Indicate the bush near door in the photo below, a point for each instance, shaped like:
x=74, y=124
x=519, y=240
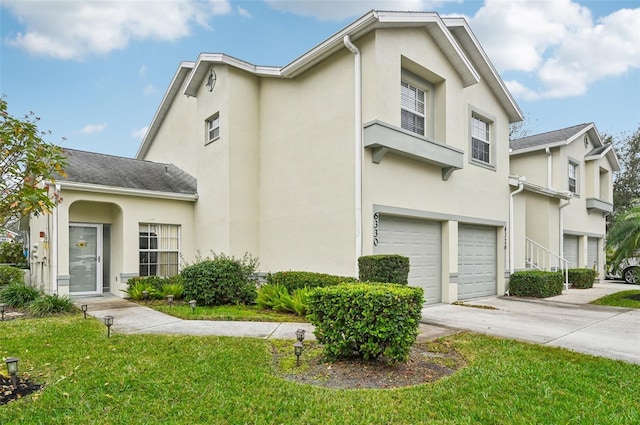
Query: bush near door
x=535, y=283
x=384, y=268
x=582, y=278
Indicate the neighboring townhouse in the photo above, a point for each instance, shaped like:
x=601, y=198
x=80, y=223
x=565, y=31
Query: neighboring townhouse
x=391, y=136
x=566, y=181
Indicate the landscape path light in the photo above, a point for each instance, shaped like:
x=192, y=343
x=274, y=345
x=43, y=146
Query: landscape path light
x=193, y=304
x=12, y=368
x=300, y=335
x=108, y=322
x=145, y=295
x=170, y=300
x=84, y=310
x=297, y=350
x=2, y=308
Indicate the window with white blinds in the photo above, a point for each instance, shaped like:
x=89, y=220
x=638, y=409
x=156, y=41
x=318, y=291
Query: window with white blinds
x=159, y=249
x=480, y=140
x=413, y=111
x=213, y=128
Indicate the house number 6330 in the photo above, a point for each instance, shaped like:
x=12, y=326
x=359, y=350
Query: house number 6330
x=376, y=223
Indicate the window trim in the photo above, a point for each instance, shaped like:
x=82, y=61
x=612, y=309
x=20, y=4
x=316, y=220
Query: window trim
x=146, y=228
x=576, y=164
x=427, y=88
x=490, y=120
x=207, y=128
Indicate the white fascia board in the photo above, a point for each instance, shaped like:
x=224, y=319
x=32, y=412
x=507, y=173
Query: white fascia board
x=206, y=60
x=95, y=188
x=494, y=80
x=595, y=137
x=161, y=112
x=538, y=148
x=541, y=190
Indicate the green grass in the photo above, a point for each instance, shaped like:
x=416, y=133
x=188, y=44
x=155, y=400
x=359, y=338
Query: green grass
x=628, y=299
x=152, y=379
x=251, y=313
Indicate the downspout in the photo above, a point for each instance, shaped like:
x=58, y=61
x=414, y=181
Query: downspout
x=549, y=164
x=561, y=253
x=512, y=248
x=54, y=247
x=358, y=146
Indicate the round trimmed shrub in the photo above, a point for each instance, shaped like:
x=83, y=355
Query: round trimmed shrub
x=220, y=281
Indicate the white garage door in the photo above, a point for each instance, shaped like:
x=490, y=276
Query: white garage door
x=476, y=261
x=570, y=250
x=592, y=253
x=420, y=241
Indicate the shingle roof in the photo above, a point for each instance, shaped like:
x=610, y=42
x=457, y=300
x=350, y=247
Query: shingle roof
x=120, y=172
x=547, y=138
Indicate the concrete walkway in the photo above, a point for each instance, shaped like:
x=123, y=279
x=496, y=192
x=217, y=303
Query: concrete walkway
x=564, y=321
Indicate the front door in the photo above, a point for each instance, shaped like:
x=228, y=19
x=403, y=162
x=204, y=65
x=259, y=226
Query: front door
x=85, y=252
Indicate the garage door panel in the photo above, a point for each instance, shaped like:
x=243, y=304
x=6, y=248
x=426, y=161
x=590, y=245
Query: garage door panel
x=420, y=241
x=570, y=250
x=477, y=264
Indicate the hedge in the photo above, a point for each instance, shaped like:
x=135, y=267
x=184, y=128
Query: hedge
x=10, y=274
x=293, y=280
x=366, y=320
x=582, y=278
x=384, y=268
x=535, y=283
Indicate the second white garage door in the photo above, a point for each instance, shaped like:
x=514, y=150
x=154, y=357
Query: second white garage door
x=570, y=250
x=420, y=241
x=476, y=261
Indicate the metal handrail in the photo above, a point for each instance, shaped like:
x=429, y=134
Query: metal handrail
x=542, y=258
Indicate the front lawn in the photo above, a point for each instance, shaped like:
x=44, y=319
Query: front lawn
x=628, y=299
x=149, y=379
x=249, y=313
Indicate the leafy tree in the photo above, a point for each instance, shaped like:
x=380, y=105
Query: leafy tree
x=624, y=236
x=626, y=186
x=26, y=161
x=520, y=129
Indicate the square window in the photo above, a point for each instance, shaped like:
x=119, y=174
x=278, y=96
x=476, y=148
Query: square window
x=159, y=249
x=213, y=128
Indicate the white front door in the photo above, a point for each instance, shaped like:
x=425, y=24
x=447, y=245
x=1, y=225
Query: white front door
x=85, y=255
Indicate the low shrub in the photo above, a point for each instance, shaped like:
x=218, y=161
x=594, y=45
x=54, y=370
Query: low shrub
x=50, y=304
x=366, y=320
x=384, y=268
x=13, y=253
x=582, y=278
x=136, y=289
x=221, y=280
x=293, y=280
x=18, y=295
x=276, y=297
x=536, y=283
x=175, y=289
x=269, y=295
x=10, y=274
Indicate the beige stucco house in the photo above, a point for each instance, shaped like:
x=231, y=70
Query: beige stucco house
x=391, y=136
x=564, y=180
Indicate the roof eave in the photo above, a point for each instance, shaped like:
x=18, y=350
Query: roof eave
x=95, y=188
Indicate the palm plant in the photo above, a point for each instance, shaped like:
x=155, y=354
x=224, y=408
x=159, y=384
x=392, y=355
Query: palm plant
x=624, y=236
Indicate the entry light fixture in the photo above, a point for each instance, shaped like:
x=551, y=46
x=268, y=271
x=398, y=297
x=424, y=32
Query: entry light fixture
x=12, y=368
x=211, y=80
x=108, y=322
x=84, y=308
x=193, y=304
x=300, y=335
x=297, y=350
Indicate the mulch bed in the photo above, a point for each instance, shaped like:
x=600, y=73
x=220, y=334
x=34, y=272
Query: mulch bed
x=24, y=387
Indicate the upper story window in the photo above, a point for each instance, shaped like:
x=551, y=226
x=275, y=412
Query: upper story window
x=573, y=177
x=480, y=139
x=412, y=105
x=159, y=249
x=213, y=128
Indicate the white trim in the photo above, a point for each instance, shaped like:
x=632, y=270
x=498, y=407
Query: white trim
x=85, y=187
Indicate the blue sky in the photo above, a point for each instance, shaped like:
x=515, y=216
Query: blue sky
x=95, y=72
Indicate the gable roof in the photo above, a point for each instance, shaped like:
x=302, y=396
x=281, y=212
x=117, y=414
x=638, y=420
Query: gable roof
x=107, y=173
x=452, y=35
x=563, y=137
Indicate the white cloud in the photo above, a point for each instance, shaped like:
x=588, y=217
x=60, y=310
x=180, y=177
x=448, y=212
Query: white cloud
x=149, y=89
x=244, y=12
x=140, y=133
x=93, y=128
x=342, y=9
x=142, y=71
x=69, y=29
x=558, y=43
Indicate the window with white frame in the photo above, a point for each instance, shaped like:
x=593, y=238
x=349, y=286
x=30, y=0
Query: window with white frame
x=159, y=249
x=213, y=128
x=413, y=108
x=480, y=139
x=573, y=177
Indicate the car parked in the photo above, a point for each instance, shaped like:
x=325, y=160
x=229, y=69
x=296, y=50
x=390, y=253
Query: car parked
x=628, y=270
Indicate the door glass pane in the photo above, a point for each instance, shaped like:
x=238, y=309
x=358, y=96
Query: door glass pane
x=83, y=251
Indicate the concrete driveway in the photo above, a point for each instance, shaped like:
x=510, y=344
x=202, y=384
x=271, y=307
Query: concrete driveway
x=564, y=321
